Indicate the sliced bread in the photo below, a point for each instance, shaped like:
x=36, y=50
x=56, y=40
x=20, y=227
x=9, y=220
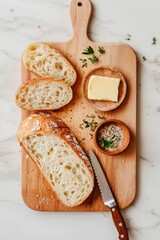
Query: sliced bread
x=43, y=94
x=48, y=62
x=60, y=158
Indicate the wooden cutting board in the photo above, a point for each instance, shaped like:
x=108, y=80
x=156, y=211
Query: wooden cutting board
x=121, y=169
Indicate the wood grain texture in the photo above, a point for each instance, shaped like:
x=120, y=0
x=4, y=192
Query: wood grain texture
x=120, y=169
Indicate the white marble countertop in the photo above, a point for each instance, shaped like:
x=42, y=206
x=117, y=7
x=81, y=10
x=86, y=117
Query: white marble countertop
x=22, y=22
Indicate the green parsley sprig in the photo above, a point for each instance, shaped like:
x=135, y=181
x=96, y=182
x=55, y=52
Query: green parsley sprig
x=101, y=50
x=101, y=117
x=93, y=59
x=144, y=58
x=90, y=51
x=154, y=41
x=84, y=62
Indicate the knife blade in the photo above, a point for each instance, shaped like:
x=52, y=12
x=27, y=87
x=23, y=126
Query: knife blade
x=108, y=198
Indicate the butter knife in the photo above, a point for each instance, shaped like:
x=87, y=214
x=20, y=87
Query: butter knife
x=108, y=198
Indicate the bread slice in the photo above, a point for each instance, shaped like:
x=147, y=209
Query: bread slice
x=48, y=62
x=60, y=158
x=43, y=94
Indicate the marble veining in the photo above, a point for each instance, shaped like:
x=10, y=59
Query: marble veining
x=22, y=22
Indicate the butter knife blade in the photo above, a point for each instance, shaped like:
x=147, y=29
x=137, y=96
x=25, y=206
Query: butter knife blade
x=103, y=184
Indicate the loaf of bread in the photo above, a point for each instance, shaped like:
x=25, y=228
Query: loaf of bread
x=48, y=62
x=43, y=94
x=60, y=158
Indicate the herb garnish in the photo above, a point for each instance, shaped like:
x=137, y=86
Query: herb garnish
x=88, y=51
x=93, y=59
x=101, y=117
x=92, y=125
x=87, y=124
x=154, y=41
x=128, y=38
x=101, y=50
x=84, y=62
x=91, y=135
x=90, y=122
x=104, y=143
x=144, y=58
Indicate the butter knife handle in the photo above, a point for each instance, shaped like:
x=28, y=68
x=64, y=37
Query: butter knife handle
x=119, y=223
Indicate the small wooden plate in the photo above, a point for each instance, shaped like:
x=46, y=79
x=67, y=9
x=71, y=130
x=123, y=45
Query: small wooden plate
x=107, y=72
x=126, y=138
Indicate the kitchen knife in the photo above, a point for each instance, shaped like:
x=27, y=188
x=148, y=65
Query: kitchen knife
x=108, y=198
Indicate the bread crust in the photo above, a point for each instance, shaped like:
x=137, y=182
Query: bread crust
x=40, y=80
x=45, y=123
x=24, y=57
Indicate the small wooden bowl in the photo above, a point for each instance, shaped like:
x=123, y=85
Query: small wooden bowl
x=126, y=136
x=107, y=72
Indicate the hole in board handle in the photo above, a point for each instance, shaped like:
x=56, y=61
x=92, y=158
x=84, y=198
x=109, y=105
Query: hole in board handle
x=79, y=4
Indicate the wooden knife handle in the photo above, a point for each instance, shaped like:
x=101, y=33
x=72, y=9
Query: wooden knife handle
x=119, y=223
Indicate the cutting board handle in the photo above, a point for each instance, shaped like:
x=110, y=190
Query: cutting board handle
x=80, y=15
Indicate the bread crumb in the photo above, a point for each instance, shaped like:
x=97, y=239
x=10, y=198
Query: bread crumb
x=53, y=199
x=69, y=54
x=41, y=201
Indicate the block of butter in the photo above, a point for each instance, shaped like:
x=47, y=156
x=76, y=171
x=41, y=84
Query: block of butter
x=103, y=88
